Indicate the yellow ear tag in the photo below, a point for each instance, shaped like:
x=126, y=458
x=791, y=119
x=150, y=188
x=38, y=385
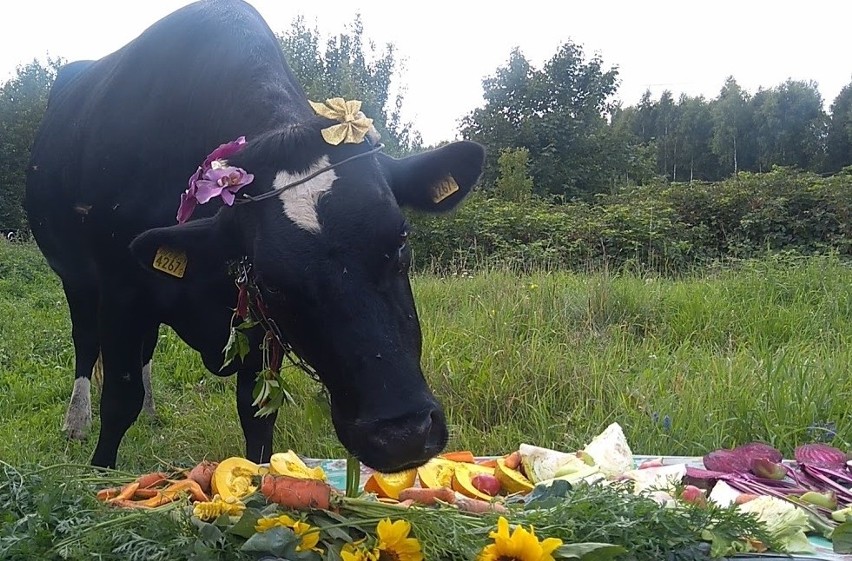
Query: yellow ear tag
x=444, y=189
x=170, y=262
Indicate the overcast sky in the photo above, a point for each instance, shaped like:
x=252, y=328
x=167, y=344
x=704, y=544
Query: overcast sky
x=449, y=46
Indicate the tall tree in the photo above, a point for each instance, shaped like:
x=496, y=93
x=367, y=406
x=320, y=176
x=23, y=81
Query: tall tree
x=350, y=66
x=839, y=134
x=730, y=124
x=790, y=125
x=694, y=131
x=559, y=113
x=23, y=100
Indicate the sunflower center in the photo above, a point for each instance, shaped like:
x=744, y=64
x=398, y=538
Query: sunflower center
x=385, y=555
x=507, y=558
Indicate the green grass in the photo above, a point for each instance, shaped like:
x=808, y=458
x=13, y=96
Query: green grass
x=757, y=351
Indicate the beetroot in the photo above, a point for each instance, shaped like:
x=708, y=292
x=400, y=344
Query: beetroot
x=726, y=461
x=740, y=459
x=822, y=455
x=756, y=450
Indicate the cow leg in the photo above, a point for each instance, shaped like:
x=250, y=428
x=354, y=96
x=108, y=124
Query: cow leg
x=123, y=328
x=257, y=430
x=147, y=361
x=83, y=305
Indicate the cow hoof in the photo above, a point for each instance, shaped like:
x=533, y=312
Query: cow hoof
x=78, y=418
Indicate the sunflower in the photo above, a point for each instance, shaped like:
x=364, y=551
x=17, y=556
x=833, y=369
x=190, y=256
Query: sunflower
x=522, y=545
x=393, y=543
x=309, y=535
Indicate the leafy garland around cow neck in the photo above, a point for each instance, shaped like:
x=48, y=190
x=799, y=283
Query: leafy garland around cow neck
x=215, y=178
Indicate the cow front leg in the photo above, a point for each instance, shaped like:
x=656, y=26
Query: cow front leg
x=257, y=430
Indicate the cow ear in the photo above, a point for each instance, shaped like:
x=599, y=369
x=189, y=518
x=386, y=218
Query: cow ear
x=189, y=250
x=437, y=180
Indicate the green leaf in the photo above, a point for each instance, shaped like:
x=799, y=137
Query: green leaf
x=208, y=533
x=244, y=527
x=278, y=541
x=237, y=345
x=546, y=496
x=589, y=551
x=841, y=538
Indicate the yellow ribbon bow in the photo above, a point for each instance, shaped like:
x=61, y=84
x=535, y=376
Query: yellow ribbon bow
x=354, y=125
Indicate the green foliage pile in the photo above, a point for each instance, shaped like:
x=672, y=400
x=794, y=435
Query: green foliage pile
x=663, y=227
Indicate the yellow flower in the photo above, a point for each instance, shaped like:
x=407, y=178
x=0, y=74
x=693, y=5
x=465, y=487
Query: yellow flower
x=352, y=552
x=521, y=545
x=393, y=543
x=211, y=510
x=309, y=535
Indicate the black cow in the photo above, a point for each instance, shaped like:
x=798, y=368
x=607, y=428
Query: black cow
x=120, y=138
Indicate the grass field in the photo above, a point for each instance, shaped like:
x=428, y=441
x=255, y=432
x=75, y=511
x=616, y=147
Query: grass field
x=762, y=350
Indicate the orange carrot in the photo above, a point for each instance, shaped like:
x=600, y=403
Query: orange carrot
x=459, y=456
x=428, y=496
x=299, y=494
x=513, y=460
x=145, y=493
x=126, y=492
x=108, y=493
x=476, y=506
x=171, y=492
x=492, y=463
x=151, y=479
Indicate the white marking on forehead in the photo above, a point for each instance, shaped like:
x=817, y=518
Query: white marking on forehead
x=300, y=202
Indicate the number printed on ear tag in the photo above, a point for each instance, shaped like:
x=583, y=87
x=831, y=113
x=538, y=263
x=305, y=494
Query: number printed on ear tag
x=444, y=189
x=170, y=262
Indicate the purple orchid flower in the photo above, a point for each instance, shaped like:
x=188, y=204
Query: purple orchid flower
x=214, y=178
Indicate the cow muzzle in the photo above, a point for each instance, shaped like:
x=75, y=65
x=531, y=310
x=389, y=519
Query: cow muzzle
x=396, y=444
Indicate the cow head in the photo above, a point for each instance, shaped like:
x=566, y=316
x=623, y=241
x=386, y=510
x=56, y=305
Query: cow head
x=331, y=258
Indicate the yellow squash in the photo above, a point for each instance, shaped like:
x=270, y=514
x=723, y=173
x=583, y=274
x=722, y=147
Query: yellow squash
x=234, y=478
x=512, y=480
x=437, y=473
x=288, y=463
x=389, y=485
x=463, y=480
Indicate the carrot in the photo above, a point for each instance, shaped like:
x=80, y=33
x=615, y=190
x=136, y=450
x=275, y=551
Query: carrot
x=465, y=456
x=145, y=493
x=203, y=474
x=171, y=492
x=108, y=493
x=513, y=460
x=126, y=492
x=299, y=494
x=492, y=463
x=406, y=503
x=428, y=496
x=151, y=479
x=477, y=506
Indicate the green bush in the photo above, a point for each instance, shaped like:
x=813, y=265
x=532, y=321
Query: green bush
x=663, y=227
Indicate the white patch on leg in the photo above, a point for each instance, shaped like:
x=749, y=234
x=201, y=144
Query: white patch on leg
x=148, y=403
x=79, y=414
x=300, y=202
